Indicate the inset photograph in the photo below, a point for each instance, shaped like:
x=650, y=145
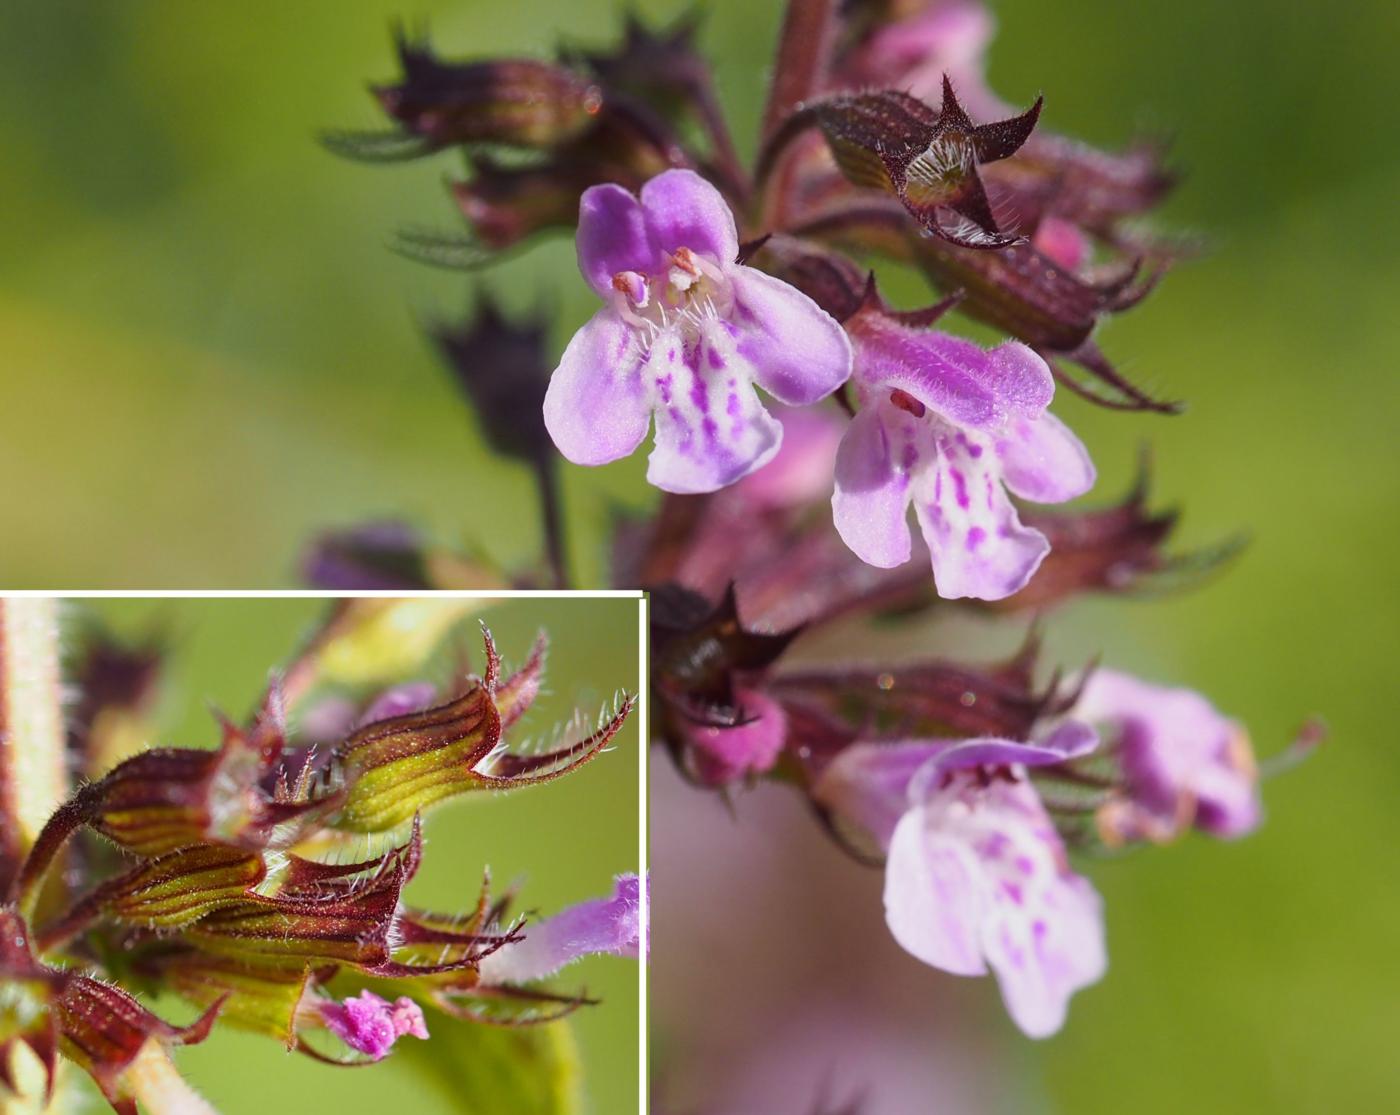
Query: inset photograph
x=249, y=844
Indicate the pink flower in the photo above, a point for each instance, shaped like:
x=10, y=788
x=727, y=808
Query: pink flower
x=371, y=1025
x=611, y=926
x=685, y=334
x=947, y=37
x=1181, y=761
x=975, y=874
x=721, y=755
x=947, y=425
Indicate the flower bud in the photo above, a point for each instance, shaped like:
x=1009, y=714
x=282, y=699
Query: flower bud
x=502, y=368
x=927, y=159
x=515, y=102
x=720, y=754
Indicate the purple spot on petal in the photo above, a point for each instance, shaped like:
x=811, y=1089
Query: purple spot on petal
x=960, y=483
x=975, y=537
x=716, y=360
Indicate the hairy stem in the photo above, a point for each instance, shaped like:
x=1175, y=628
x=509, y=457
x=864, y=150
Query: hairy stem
x=804, y=53
x=158, y=1086
x=33, y=764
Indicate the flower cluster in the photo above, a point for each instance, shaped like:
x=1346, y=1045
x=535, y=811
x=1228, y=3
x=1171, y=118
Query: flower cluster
x=797, y=416
x=1028, y=231
x=236, y=877
x=969, y=783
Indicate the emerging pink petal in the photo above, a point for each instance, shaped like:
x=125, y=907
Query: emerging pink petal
x=400, y=700
x=369, y=1024
x=611, y=926
x=722, y=755
x=1182, y=761
x=1062, y=241
x=947, y=36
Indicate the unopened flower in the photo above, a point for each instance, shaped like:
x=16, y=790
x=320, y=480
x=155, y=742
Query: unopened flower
x=976, y=875
x=685, y=334
x=1181, y=762
x=501, y=366
x=374, y=555
x=518, y=101
x=945, y=424
x=369, y=1024
x=927, y=159
x=609, y=926
x=722, y=753
x=913, y=53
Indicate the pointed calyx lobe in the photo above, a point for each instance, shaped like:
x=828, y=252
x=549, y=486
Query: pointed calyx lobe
x=928, y=160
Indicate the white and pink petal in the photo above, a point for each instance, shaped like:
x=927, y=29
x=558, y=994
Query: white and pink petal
x=978, y=544
x=799, y=353
x=935, y=896
x=598, y=406
x=870, y=505
x=1042, y=460
x=711, y=428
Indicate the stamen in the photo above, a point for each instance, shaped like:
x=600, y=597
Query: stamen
x=634, y=286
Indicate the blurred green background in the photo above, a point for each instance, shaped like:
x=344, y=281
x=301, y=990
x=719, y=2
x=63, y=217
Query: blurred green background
x=209, y=352
x=563, y=842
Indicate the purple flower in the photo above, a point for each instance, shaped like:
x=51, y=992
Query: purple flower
x=611, y=925
x=1181, y=761
x=371, y=1025
x=975, y=874
x=685, y=333
x=944, y=424
x=723, y=754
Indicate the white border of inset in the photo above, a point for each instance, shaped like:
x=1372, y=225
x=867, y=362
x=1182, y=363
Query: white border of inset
x=643, y=681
